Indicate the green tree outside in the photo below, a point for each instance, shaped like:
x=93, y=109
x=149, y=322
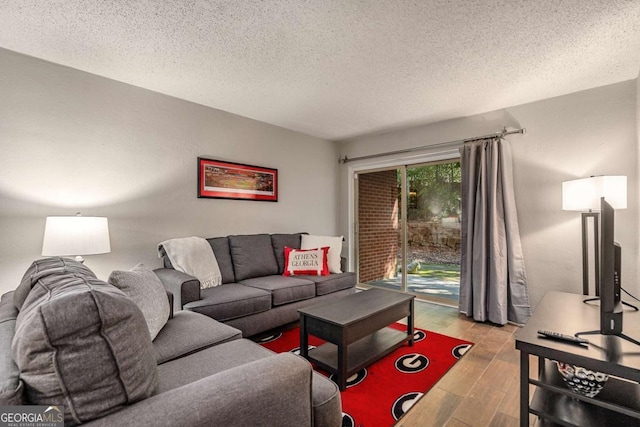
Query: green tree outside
x=434, y=191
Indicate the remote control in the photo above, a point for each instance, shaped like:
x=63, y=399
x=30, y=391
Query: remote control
x=563, y=337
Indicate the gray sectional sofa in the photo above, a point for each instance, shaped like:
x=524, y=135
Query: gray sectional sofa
x=254, y=296
x=70, y=339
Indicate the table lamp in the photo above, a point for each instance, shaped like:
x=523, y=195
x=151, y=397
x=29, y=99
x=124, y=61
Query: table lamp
x=584, y=195
x=76, y=236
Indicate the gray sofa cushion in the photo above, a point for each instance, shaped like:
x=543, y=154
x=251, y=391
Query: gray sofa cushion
x=279, y=241
x=252, y=256
x=146, y=290
x=231, y=301
x=332, y=283
x=45, y=267
x=178, y=339
x=284, y=289
x=221, y=250
x=84, y=344
x=325, y=393
x=11, y=388
x=246, y=395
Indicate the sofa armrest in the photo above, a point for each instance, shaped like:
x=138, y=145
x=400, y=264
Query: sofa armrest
x=185, y=288
x=274, y=391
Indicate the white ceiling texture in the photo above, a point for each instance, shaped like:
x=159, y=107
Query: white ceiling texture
x=338, y=68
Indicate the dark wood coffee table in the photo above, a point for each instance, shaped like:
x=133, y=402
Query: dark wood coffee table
x=355, y=328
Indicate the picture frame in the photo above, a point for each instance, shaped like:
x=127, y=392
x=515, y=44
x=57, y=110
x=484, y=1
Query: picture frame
x=238, y=181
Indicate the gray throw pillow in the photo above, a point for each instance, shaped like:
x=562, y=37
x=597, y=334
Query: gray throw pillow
x=82, y=343
x=11, y=388
x=44, y=267
x=146, y=290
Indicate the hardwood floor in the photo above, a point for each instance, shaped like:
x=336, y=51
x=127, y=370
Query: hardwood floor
x=482, y=389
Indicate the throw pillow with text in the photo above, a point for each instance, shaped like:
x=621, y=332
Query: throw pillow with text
x=310, y=262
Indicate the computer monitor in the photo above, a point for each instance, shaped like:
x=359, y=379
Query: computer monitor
x=610, y=266
x=610, y=277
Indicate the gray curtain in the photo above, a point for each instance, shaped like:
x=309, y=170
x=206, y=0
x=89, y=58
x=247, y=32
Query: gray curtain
x=493, y=284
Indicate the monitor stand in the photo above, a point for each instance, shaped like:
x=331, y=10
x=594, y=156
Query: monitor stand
x=620, y=334
x=623, y=302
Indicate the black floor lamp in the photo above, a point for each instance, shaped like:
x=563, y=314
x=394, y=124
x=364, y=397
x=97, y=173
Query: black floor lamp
x=583, y=195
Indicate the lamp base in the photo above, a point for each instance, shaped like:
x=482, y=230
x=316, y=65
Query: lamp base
x=586, y=253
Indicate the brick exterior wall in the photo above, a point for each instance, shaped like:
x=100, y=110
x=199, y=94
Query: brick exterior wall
x=378, y=225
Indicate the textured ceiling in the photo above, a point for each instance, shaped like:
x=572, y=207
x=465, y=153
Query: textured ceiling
x=337, y=69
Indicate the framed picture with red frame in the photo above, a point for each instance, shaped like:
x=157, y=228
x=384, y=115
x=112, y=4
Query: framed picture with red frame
x=226, y=180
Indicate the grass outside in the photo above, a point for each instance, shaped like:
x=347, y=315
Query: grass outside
x=433, y=271
x=448, y=273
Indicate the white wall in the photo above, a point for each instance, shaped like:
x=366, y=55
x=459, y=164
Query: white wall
x=71, y=141
x=586, y=133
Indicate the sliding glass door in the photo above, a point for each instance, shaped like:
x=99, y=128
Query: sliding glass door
x=408, y=229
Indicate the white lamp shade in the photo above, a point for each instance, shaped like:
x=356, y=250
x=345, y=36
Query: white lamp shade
x=76, y=235
x=584, y=194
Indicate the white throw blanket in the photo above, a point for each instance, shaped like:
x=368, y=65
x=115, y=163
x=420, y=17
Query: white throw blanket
x=194, y=256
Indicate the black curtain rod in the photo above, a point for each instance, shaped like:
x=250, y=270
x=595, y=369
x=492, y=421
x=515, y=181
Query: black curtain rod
x=500, y=134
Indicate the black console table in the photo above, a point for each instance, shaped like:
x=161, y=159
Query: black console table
x=618, y=404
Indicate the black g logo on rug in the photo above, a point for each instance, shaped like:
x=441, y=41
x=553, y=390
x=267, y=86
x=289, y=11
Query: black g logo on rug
x=354, y=379
x=412, y=363
x=347, y=420
x=297, y=349
x=459, y=350
x=419, y=336
x=269, y=338
x=404, y=403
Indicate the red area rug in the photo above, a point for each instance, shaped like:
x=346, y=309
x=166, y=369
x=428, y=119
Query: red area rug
x=383, y=392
